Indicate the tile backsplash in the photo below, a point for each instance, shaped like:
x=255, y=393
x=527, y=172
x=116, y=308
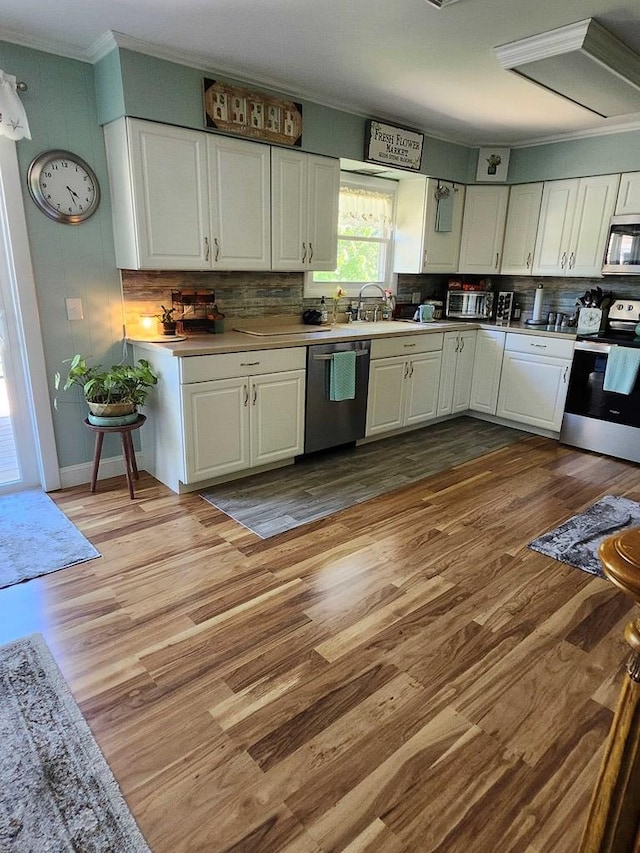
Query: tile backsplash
x=254, y=294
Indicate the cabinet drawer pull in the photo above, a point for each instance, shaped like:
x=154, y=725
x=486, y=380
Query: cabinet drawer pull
x=249, y=363
x=408, y=346
x=540, y=346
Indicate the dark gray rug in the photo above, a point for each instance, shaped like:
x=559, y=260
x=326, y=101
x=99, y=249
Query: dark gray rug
x=37, y=538
x=56, y=790
x=576, y=542
x=320, y=485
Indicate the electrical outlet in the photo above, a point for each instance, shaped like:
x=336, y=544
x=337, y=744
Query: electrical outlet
x=74, y=308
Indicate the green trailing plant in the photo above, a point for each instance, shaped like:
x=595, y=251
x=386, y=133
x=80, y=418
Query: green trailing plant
x=121, y=383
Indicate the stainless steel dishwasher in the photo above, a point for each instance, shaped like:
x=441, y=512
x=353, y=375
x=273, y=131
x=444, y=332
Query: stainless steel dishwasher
x=329, y=423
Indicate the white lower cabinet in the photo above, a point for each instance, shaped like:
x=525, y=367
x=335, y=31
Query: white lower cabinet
x=404, y=375
x=457, y=371
x=534, y=381
x=213, y=415
x=487, y=367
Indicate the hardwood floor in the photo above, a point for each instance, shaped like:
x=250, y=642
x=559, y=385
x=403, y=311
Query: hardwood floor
x=405, y=675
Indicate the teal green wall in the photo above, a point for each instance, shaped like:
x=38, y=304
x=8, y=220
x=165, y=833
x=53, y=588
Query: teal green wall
x=109, y=88
x=596, y=155
x=68, y=260
x=165, y=91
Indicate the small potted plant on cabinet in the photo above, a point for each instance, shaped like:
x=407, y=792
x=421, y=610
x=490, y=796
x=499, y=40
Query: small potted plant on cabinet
x=113, y=395
x=169, y=325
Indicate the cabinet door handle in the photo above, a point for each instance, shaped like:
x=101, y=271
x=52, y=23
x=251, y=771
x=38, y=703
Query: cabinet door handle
x=572, y=259
x=528, y=260
x=424, y=261
x=411, y=373
x=457, y=349
x=406, y=369
x=461, y=343
x=217, y=245
x=310, y=252
x=564, y=375
x=255, y=395
x=563, y=260
x=246, y=394
x=304, y=253
x=497, y=259
x=207, y=249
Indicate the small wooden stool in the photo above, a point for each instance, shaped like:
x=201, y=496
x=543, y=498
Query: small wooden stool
x=131, y=469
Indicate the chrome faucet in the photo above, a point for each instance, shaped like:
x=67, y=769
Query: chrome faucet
x=362, y=289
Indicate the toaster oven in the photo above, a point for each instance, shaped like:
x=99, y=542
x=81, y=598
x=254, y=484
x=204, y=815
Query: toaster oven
x=469, y=304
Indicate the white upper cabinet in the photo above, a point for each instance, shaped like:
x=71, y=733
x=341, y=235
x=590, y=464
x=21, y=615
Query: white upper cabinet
x=485, y=211
x=574, y=221
x=160, y=205
x=421, y=244
x=628, y=194
x=304, y=210
x=184, y=199
x=521, y=228
x=240, y=204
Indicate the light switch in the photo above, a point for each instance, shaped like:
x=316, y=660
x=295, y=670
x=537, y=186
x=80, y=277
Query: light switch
x=74, y=308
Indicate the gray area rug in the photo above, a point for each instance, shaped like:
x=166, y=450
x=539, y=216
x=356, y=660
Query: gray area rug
x=576, y=542
x=315, y=487
x=36, y=538
x=56, y=790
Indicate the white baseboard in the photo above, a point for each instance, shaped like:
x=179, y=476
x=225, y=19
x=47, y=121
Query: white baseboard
x=110, y=466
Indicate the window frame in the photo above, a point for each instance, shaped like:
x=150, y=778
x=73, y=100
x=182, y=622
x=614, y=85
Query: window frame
x=351, y=288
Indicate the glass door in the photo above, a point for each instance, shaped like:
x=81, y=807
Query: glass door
x=9, y=470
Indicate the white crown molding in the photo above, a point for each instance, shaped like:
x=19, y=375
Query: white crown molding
x=47, y=45
x=101, y=47
x=611, y=130
x=543, y=45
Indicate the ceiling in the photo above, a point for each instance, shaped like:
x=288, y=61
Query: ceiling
x=404, y=61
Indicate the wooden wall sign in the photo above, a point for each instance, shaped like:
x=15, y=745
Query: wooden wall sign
x=253, y=114
x=393, y=146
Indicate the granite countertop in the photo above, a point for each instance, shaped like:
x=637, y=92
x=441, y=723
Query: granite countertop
x=278, y=332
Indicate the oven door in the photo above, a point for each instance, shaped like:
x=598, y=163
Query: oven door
x=599, y=420
x=586, y=396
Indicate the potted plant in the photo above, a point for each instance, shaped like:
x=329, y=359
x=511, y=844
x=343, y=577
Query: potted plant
x=112, y=394
x=169, y=325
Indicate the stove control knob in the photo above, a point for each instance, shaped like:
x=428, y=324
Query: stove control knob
x=620, y=306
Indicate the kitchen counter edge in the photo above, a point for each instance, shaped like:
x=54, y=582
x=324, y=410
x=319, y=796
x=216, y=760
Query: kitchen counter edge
x=241, y=342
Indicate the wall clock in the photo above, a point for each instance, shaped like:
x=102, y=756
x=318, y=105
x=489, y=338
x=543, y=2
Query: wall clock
x=63, y=186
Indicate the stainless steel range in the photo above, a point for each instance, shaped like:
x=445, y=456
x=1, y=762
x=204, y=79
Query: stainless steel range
x=602, y=412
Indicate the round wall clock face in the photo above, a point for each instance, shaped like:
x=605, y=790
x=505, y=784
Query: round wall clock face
x=63, y=186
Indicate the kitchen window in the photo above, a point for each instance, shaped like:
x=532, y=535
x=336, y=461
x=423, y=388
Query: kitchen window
x=365, y=237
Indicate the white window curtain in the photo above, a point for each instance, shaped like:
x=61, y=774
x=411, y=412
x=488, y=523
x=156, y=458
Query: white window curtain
x=13, y=119
x=365, y=207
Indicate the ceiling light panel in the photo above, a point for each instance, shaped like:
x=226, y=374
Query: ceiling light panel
x=582, y=62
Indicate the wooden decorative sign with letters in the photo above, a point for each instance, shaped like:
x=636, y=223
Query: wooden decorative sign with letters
x=253, y=114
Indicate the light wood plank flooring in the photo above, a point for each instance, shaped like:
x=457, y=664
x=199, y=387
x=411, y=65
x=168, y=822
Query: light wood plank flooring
x=403, y=676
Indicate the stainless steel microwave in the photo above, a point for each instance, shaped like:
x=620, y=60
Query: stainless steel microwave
x=622, y=255
x=469, y=305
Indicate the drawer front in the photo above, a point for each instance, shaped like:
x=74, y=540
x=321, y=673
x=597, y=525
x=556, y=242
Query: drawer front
x=406, y=345
x=540, y=344
x=202, y=368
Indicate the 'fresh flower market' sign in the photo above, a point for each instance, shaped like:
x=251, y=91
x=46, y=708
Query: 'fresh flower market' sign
x=393, y=146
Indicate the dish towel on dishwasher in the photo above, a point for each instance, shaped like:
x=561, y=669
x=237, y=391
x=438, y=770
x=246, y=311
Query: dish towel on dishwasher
x=621, y=370
x=342, y=376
